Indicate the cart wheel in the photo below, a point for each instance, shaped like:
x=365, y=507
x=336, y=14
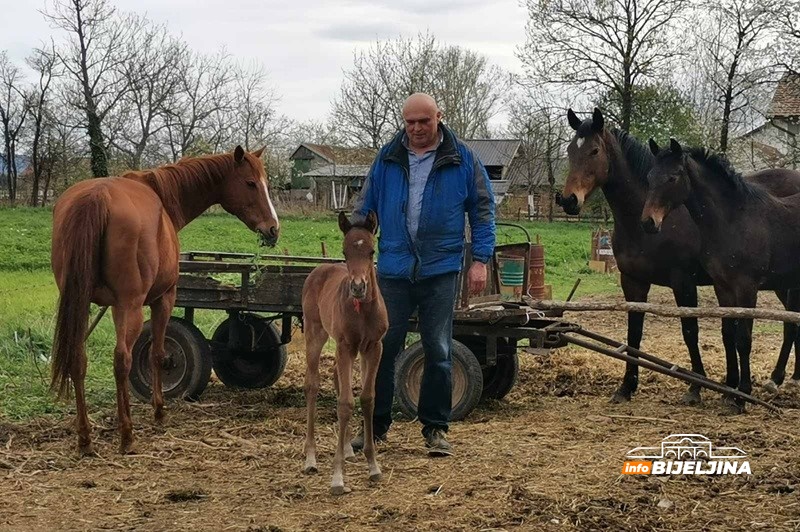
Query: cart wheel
x=186, y=369
x=467, y=380
x=499, y=379
x=259, y=367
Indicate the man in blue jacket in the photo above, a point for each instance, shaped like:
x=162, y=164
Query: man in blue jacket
x=421, y=185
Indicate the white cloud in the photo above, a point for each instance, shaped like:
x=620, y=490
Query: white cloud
x=303, y=45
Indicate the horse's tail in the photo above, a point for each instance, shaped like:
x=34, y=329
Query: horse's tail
x=82, y=232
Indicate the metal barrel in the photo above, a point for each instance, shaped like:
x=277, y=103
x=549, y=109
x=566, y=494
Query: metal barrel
x=536, y=287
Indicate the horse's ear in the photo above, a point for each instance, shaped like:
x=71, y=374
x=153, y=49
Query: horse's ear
x=371, y=223
x=572, y=118
x=675, y=147
x=238, y=154
x=597, y=120
x=653, y=146
x=344, y=222
x=258, y=153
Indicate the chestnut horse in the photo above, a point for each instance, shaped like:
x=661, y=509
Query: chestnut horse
x=115, y=243
x=343, y=301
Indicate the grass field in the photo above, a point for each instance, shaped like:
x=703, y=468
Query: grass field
x=28, y=294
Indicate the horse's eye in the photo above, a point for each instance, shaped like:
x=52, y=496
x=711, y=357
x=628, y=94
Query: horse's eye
x=594, y=151
x=251, y=184
x=673, y=178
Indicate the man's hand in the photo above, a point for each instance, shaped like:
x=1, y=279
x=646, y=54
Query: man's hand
x=476, y=278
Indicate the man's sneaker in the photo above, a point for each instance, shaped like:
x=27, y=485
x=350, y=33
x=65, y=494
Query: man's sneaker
x=358, y=441
x=437, y=444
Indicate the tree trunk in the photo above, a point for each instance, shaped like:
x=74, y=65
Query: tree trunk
x=99, y=160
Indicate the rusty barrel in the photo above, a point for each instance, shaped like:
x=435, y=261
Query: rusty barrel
x=536, y=286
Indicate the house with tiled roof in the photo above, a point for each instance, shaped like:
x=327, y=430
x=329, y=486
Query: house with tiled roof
x=776, y=142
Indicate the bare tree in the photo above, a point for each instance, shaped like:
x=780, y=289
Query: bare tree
x=97, y=46
x=43, y=63
x=538, y=120
x=735, y=41
x=202, y=92
x=362, y=108
x=152, y=77
x=252, y=119
x=468, y=89
x=13, y=111
x=603, y=46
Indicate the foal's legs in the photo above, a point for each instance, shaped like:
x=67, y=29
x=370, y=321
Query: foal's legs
x=685, y=293
x=161, y=309
x=790, y=301
x=128, y=325
x=635, y=291
x=370, y=359
x=315, y=340
x=344, y=409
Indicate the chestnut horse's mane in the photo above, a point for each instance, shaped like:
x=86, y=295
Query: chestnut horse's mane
x=170, y=180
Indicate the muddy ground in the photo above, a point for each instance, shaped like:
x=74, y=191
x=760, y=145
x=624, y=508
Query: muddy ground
x=548, y=457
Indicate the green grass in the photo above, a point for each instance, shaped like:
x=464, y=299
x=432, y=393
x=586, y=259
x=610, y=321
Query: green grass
x=28, y=293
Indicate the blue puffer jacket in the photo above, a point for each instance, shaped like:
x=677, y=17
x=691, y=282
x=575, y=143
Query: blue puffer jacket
x=458, y=183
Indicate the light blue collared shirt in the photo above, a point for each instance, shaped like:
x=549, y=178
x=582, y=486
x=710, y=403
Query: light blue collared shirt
x=419, y=168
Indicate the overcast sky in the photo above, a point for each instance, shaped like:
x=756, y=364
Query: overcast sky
x=304, y=45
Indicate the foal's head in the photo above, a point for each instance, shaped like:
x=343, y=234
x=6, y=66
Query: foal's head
x=588, y=161
x=359, y=252
x=245, y=194
x=668, y=184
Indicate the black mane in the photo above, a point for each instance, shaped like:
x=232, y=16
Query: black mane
x=719, y=165
x=636, y=154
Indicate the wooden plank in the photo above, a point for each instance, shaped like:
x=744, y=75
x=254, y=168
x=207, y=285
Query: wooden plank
x=667, y=311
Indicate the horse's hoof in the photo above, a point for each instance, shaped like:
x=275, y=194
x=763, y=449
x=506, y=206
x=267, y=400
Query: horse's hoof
x=339, y=490
x=620, y=397
x=87, y=450
x=732, y=405
x=375, y=477
x=126, y=446
x=691, y=398
x=310, y=470
x=159, y=417
x=770, y=387
x=349, y=455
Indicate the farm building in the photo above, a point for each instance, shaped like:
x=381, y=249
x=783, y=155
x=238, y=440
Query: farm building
x=774, y=143
x=335, y=175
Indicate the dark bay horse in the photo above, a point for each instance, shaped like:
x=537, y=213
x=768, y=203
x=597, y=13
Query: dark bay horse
x=750, y=239
x=115, y=244
x=344, y=302
x=617, y=163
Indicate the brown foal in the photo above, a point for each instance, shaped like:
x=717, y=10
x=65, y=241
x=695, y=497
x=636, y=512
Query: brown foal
x=343, y=302
x=115, y=243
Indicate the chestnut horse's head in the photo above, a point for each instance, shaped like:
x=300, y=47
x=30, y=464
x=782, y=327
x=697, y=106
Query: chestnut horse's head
x=359, y=252
x=588, y=161
x=669, y=185
x=245, y=194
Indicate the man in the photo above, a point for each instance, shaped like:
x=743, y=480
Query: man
x=420, y=186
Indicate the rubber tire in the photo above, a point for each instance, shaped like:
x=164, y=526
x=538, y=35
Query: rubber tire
x=408, y=375
x=196, y=356
x=271, y=355
x=498, y=380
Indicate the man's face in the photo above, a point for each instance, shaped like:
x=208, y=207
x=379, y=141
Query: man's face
x=422, y=125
